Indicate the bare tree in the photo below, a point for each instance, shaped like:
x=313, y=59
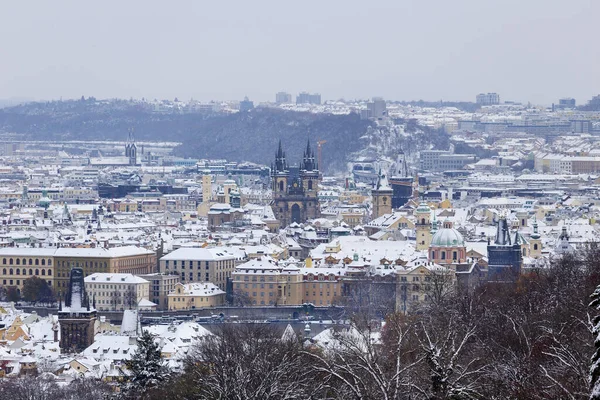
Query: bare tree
x=130, y=298
x=250, y=362
x=454, y=371
x=360, y=366
x=440, y=287
x=116, y=299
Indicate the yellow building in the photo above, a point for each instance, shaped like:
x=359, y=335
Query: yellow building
x=126, y=259
x=352, y=197
x=263, y=282
x=322, y=286
x=195, y=295
x=18, y=264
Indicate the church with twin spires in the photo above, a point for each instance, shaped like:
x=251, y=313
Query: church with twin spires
x=295, y=189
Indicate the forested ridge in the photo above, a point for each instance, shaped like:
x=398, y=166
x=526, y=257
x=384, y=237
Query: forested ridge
x=250, y=136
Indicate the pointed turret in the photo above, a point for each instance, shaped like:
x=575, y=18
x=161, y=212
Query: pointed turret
x=517, y=239
x=280, y=162
x=502, y=233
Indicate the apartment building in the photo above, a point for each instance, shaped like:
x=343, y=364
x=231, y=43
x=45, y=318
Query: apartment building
x=193, y=264
x=160, y=287
x=263, y=282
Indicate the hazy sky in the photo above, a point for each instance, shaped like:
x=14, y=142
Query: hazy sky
x=526, y=50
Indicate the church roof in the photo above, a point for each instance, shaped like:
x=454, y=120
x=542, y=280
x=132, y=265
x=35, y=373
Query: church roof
x=447, y=237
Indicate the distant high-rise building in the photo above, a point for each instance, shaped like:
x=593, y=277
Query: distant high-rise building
x=376, y=108
x=488, y=99
x=308, y=98
x=246, y=105
x=283, y=98
x=566, y=103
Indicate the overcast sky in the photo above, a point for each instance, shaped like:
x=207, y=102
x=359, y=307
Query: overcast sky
x=526, y=50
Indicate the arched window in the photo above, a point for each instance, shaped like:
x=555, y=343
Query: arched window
x=30, y=261
x=24, y=261
x=49, y=261
x=10, y=261
x=49, y=272
x=422, y=221
x=37, y=261
x=281, y=186
x=4, y=271
x=44, y=272
x=4, y=261
x=535, y=246
x=310, y=185
x=43, y=261
x=524, y=252
x=18, y=261
x=30, y=271
x=10, y=272
x=37, y=272
x=18, y=271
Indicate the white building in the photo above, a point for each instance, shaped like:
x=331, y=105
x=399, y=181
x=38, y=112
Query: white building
x=116, y=291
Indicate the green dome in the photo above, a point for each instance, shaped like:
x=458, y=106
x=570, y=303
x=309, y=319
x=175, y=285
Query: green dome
x=423, y=208
x=447, y=237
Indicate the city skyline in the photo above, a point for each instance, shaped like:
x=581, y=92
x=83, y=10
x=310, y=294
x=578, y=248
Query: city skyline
x=406, y=51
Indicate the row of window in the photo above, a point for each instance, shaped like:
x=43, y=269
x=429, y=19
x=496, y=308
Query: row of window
x=11, y=282
x=416, y=279
x=190, y=264
x=25, y=271
x=443, y=253
x=191, y=299
x=24, y=261
x=314, y=294
x=77, y=264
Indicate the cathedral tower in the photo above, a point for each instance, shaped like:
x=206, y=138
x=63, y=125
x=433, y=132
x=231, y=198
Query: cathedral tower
x=295, y=197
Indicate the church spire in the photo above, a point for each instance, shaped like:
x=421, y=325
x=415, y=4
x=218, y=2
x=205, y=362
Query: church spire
x=535, y=234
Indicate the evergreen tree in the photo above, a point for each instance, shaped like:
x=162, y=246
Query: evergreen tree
x=146, y=366
x=595, y=368
x=36, y=289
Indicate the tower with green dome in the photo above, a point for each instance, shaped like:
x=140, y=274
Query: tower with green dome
x=423, y=226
